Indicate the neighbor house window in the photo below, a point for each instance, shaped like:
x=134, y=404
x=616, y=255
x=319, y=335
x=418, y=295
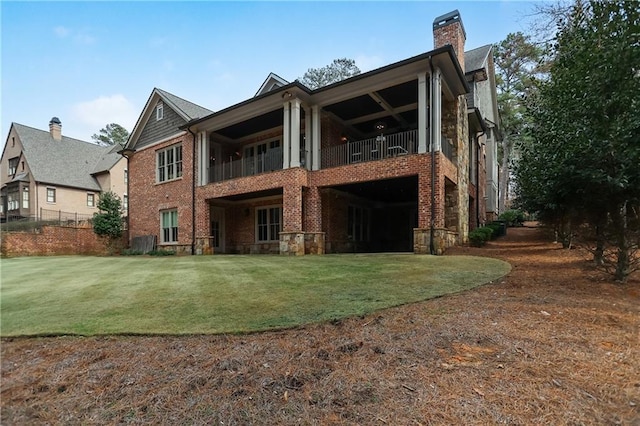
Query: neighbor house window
x=12, y=201
x=169, y=221
x=358, y=223
x=126, y=176
x=159, y=111
x=268, y=220
x=13, y=165
x=51, y=195
x=169, y=163
x=25, y=198
x=125, y=202
x=91, y=200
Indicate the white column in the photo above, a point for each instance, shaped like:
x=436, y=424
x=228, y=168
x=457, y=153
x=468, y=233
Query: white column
x=295, y=133
x=203, y=153
x=286, y=135
x=315, y=137
x=307, y=137
x=436, y=110
x=422, y=113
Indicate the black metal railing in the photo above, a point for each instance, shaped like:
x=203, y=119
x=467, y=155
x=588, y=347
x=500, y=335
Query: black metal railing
x=249, y=166
x=372, y=149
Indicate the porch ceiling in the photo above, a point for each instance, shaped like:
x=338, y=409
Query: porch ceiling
x=253, y=125
x=400, y=190
x=396, y=106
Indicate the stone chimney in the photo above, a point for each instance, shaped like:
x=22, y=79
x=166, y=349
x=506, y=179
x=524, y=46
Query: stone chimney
x=55, y=128
x=448, y=29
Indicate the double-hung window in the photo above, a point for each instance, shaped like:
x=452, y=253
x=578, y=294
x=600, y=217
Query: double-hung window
x=13, y=165
x=159, y=111
x=25, y=198
x=51, y=195
x=169, y=163
x=268, y=222
x=169, y=221
x=91, y=199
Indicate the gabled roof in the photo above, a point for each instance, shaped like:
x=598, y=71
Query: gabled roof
x=272, y=81
x=67, y=162
x=185, y=109
x=109, y=159
x=476, y=59
x=188, y=110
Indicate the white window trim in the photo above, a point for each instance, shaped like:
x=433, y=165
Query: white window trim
x=162, y=213
x=267, y=208
x=159, y=111
x=25, y=202
x=93, y=199
x=175, y=172
x=55, y=195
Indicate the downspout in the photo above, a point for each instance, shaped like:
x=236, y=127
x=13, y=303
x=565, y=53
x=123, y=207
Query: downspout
x=478, y=178
x=432, y=248
x=193, y=192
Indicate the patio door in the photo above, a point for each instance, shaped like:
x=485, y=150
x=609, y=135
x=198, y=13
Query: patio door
x=217, y=229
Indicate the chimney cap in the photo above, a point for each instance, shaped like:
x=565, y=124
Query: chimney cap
x=448, y=19
x=55, y=120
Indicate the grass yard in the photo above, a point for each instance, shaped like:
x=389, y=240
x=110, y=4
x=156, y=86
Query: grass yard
x=219, y=294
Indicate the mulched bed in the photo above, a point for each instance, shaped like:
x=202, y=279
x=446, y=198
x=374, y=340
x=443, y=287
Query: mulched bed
x=554, y=342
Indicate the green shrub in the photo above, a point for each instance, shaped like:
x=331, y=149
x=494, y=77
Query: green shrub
x=131, y=252
x=479, y=236
x=496, y=228
x=161, y=252
x=512, y=217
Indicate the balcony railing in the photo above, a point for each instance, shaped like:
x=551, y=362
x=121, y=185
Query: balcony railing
x=378, y=148
x=447, y=148
x=262, y=163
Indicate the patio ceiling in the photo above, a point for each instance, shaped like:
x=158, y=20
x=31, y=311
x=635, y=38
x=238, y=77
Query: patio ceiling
x=400, y=190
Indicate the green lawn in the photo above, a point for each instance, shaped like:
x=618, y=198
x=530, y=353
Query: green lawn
x=219, y=294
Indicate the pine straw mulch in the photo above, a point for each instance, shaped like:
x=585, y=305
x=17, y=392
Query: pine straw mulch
x=554, y=342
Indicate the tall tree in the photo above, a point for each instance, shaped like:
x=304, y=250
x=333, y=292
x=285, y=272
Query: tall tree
x=111, y=134
x=108, y=222
x=517, y=61
x=338, y=70
x=582, y=162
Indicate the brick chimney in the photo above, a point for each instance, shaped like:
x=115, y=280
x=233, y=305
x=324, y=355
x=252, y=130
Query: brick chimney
x=55, y=128
x=448, y=29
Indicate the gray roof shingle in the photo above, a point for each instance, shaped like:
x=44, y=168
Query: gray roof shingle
x=67, y=162
x=189, y=109
x=475, y=59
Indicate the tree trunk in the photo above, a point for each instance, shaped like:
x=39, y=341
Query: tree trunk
x=507, y=144
x=623, y=265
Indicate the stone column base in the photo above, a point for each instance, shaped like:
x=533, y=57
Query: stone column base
x=442, y=239
x=301, y=243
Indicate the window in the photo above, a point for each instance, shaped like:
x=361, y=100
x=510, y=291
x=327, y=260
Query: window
x=358, y=223
x=159, y=111
x=91, y=200
x=13, y=165
x=125, y=202
x=12, y=201
x=51, y=195
x=268, y=220
x=25, y=198
x=169, y=163
x=169, y=221
x=126, y=176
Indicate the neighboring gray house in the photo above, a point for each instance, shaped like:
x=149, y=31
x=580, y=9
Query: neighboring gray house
x=482, y=102
x=44, y=172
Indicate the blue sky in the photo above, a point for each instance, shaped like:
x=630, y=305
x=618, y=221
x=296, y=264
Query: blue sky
x=93, y=63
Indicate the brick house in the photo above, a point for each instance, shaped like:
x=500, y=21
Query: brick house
x=44, y=175
x=388, y=160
